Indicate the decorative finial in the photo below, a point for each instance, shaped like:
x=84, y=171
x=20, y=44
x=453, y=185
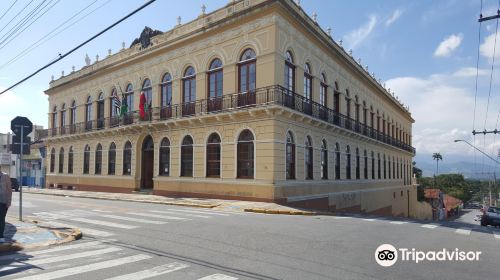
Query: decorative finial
x=109, y=52
x=203, y=9
x=123, y=45
x=383, y=85
x=52, y=78
x=72, y=68
x=329, y=31
x=178, y=20
x=359, y=61
x=366, y=68
x=340, y=43
x=315, y=17
x=373, y=74
x=62, y=73
x=298, y=2
x=87, y=59
x=350, y=52
x=96, y=58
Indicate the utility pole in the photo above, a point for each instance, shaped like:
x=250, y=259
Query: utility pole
x=481, y=18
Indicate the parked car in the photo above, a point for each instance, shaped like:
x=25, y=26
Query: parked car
x=14, y=184
x=491, y=216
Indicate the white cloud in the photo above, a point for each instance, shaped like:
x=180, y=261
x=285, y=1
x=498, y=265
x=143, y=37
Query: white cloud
x=443, y=108
x=357, y=36
x=395, y=16
x=448, y=45
x=470, y=72
x=487, y=47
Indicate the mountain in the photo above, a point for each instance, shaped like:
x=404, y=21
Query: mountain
x=467, y=168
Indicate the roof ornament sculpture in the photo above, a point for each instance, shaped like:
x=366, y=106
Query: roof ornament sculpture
x=145, y=37
x=87, y=60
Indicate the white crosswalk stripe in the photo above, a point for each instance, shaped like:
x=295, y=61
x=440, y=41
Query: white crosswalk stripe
x=104, y=223
x=134, y=219
x=497, y=235
x=398, y=222
x=431, y=226
x=218, y=277
x=159, y=216
x=463, y=231
x=198, y=212
x=341, y=217
x=67, y=247
x=86, y=268
x=38, y=262
x=152, y=272
x=369, y=220
x=177, y=213
x=85, y=230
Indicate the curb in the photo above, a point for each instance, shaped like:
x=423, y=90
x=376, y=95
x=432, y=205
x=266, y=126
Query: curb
x=185, y=204
x=75, y=234
x=280, y=212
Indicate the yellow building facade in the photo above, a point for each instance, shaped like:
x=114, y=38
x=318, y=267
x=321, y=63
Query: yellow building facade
x=253, y=101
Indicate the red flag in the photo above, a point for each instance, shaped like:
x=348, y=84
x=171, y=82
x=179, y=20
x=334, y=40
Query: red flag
x=142, y=101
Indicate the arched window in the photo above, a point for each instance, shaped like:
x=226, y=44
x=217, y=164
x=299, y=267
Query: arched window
x=100, y=111
x=213, y=155
x=189, y=92
x=337, y=161
x=88, y=113
x=307, y=89
x=385, y=168
x=389, y=167
x=114, y=104
x=72, y=117
x=98, y=159
x=365, y=167
x=348, y=163
x=323, y=91
x=357, y=165
x=247, y=78
x=148, y=92
x=166, y=97
x=61, y=160
x=373, y=166
x=127, y=158
x=129, y=97
x=393, y=168
x=52, y=160
x=86, y=159
x=70, y=160
x=112, y=159
x=187, y=157
x=165, y=157
x=54, y=118
x=356, y=111
x=309, y=158
x=63, y=118
x=245, y=155
x=289, y=73
x=379, y=167
x=348, y=109
x=290, y=156
x=215, y=85
x=324, y=160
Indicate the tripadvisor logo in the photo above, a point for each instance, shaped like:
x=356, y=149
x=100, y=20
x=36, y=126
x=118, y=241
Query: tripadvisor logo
x=387, y=255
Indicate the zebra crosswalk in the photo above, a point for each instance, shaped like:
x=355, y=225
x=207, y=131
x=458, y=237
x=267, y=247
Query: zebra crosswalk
x=80, y=260
x=103, y=223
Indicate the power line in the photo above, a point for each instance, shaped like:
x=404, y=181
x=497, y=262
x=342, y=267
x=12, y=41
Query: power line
x=79, y=46
x=12, y=5
x=19, y=33
x=21, y=22
x=16, y=15
x=477, y=75
x=46, y=37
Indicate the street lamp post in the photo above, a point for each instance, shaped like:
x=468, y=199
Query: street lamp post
x=496, y=161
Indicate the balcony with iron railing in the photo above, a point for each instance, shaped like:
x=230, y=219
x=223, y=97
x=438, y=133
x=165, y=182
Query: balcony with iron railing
x=267, y=96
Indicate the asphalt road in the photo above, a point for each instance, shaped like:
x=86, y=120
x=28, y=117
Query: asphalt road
x=130, y=240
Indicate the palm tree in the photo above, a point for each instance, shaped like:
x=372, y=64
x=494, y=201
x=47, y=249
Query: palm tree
x=437, y=157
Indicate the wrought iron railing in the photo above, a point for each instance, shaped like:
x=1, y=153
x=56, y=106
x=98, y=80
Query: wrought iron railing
x=274, y=95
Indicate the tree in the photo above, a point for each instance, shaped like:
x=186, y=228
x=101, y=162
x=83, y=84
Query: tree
x=417, y=171
x=437, y=157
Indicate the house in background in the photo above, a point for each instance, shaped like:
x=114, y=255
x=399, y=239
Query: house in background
x=435, y=198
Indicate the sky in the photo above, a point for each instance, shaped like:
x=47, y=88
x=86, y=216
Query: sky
x=425, y=51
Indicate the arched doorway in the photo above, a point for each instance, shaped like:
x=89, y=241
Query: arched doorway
x=147, y=163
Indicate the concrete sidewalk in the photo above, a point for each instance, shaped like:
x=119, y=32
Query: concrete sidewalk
x=235, y=205
x=29, y=234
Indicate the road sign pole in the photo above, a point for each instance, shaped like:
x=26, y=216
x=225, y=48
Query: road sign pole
x=21, y=171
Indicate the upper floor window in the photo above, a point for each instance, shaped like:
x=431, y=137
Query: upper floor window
x=307, y=81
x=289, y=72
x=54, y=117
x=323, y=88
x=166, y=90
x=129, y=98
x=114, y=104
x=63, y=115
x=189, y=91
x=72, y=115
x=88, y=113
x=100, y=111
x=148, y=92
x=247, y=71
x=215, y=82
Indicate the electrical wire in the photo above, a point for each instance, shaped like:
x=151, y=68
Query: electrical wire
x=79, y=46
x=46, y=37
x=476, y=88
x=35, y=20
x=21, y=23
x=12, y=5
x=24, y=8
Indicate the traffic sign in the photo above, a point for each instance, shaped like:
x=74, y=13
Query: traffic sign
x=17, y=122
x=21, y=127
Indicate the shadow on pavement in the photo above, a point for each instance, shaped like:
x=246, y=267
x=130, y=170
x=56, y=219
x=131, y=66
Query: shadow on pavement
x=13, y=262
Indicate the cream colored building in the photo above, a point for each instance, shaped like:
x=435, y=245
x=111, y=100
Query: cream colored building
x=253, y=101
